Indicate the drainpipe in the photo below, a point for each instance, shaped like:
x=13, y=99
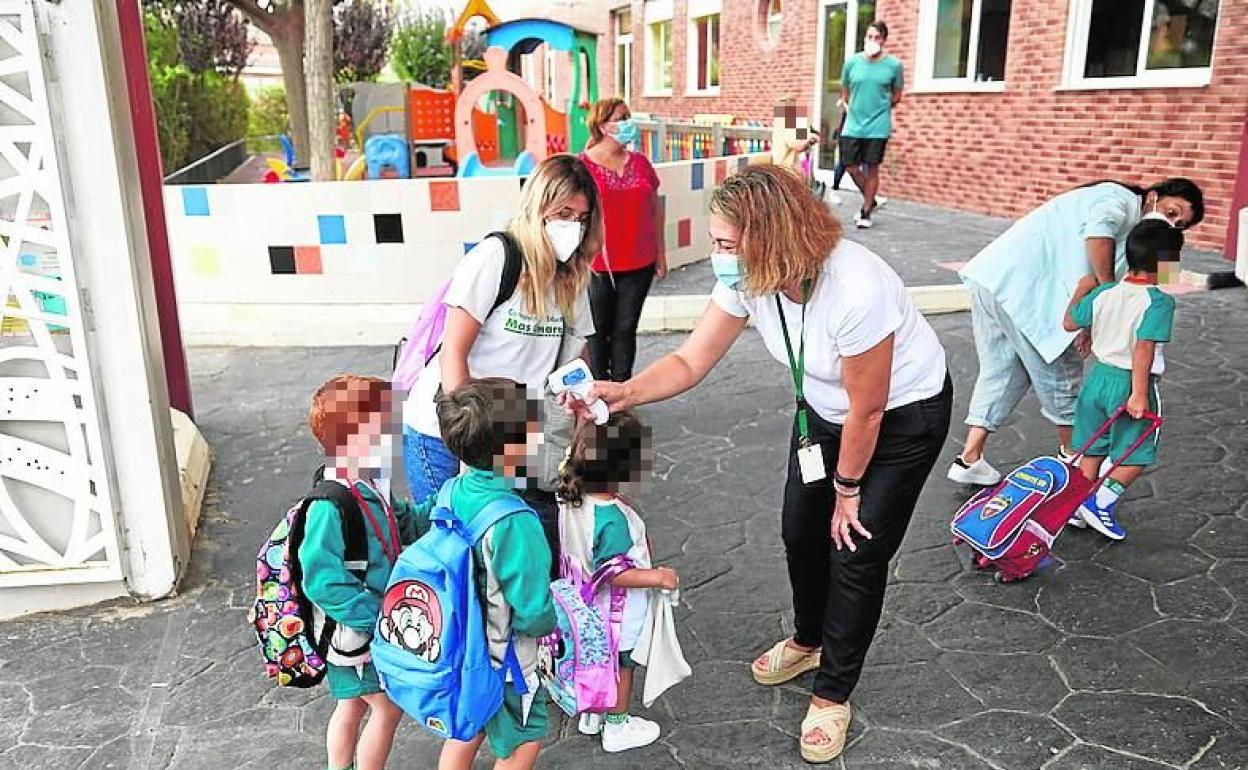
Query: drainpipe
x=147, y=148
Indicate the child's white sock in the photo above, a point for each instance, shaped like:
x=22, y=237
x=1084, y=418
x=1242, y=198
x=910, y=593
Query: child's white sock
x=1109, y=493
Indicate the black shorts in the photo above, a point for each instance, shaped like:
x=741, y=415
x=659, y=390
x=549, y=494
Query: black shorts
x=855, y=151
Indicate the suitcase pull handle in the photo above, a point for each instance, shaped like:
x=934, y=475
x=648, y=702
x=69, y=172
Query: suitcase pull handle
x=1155, y=425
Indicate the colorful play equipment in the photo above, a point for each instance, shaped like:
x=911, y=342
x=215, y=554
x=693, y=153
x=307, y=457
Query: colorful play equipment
x=496, y=124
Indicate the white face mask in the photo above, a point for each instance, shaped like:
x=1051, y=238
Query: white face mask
x=564, y=237
x=1155, y=214
x=872, y=48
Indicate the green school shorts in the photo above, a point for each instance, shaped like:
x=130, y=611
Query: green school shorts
x=1104, y=390
x=346, y=683
x=507, y=731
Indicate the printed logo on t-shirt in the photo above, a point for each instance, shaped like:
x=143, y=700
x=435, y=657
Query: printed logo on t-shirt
x=519, y=322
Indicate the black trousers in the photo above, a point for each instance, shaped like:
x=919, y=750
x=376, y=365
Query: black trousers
x=616, y=307
x=838, y=595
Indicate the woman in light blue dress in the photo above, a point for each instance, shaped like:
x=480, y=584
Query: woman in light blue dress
x=1020, y=285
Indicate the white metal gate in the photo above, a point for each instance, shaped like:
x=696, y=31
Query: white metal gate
x=57, y=521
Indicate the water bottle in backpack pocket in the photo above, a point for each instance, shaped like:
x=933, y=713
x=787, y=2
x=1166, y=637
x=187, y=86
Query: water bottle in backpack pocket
x=430, y=650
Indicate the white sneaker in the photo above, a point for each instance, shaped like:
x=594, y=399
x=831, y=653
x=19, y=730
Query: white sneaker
x=591, y=723
x=880, y=200
x=633, y=733
x=862, y=223
x=979, y=473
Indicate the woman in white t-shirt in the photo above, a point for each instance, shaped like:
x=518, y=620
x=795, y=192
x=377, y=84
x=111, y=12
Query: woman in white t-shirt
x=873, y=411
x=543, y=324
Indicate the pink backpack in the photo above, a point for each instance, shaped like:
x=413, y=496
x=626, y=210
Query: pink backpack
x=424, y=339
x=578, y=662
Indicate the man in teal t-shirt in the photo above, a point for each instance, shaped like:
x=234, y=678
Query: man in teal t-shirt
x=871, y=85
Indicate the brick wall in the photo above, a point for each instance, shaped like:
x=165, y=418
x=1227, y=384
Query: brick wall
x=1004, y=153
x=995, y=153
x=752, y=75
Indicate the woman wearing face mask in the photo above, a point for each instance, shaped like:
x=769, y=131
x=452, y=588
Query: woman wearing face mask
x=542, y=325
x=634, y=253
x=873, y=402
x=1020, y=285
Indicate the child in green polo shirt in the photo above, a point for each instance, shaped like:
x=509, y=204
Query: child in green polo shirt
x=493, y=427
x=1129, y=321
x=351, y=418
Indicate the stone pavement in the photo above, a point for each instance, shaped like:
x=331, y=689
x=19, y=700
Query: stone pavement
x=1127, y=656
x=926, y=245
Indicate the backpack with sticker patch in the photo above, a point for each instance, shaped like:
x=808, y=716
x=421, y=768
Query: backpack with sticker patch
x=294, y=637
x=430, y=650
x=424, y=339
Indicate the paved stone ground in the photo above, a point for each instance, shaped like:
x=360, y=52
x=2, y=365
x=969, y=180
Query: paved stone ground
x=1125, y=656
x=924, y=244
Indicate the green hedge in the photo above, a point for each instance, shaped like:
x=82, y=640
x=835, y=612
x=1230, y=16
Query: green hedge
x=196, y=114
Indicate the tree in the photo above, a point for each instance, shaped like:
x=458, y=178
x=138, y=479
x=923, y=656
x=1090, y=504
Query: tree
x=362, y=33
x=282, y=21
x=319, y=53
x=419, y=51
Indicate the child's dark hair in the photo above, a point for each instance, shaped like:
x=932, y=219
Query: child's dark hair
x=482, y=416
x=1152, y=241
x=601, y=458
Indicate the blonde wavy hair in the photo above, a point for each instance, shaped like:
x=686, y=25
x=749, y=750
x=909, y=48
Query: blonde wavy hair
x=786, y=232
x=549, y=188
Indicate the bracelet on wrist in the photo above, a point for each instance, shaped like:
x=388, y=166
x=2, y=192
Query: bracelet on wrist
x=846, y=482
x=842, y=491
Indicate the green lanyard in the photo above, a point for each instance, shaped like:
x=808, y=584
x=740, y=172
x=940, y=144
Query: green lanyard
x=797, y=366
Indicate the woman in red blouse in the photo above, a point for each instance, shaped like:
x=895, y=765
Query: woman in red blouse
x=634, y=254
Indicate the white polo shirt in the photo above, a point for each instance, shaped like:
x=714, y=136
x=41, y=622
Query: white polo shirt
x=855, y=304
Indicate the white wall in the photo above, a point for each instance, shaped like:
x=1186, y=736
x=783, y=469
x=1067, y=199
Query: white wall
x=349, y=285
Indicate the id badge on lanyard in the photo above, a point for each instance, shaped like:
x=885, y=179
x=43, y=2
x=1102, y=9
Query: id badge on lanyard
x=809, y=454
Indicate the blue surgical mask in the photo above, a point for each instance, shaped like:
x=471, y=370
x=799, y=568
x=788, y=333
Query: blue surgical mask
x=625, y=131
x=727, y=269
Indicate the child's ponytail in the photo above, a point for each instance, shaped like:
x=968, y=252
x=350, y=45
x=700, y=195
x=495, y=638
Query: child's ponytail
x=569, y=485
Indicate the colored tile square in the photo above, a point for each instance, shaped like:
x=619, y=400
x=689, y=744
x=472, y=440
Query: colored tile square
x=282, y=260
x=205, y=260
x=670, y=236
x=195, y=201
x=333, y=228
x=696, y=172
x=721, y=171
x=308, y=260
x=684, y=233
x=469, y=247
x=444, y=195
x=388, y=228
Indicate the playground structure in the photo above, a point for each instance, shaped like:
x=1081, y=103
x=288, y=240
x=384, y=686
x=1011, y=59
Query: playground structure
x=495, y=125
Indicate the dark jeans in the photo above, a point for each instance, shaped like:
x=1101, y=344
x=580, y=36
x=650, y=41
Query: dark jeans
x=616, y=307
x=838, y=595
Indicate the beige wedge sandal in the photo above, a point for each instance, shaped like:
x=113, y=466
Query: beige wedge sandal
x=833, y=722
x=782, y=663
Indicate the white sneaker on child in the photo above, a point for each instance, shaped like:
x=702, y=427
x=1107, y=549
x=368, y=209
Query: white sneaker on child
x=632, y=733
x=590, y=723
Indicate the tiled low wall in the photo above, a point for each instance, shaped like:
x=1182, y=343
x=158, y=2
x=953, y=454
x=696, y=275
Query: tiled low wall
x=350, y=262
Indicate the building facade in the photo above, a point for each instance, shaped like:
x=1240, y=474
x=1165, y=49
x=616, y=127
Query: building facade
x=1007, y=102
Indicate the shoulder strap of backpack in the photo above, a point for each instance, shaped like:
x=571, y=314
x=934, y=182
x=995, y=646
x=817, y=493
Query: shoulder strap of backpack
x=513, y=264
x=354, y=534
x=494, y=513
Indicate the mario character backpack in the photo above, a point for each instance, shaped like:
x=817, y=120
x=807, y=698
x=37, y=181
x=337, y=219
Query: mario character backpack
x=294, y=653
x=430, y=649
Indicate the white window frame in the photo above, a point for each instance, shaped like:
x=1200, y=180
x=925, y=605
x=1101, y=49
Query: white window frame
x=699, y=10
x=925, y=80
x=623, y=56
x=773, y=18
x=1077, y=29
x=657, y=12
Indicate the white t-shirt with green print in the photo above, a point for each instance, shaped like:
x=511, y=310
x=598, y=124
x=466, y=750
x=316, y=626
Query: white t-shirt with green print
x=512, y=343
